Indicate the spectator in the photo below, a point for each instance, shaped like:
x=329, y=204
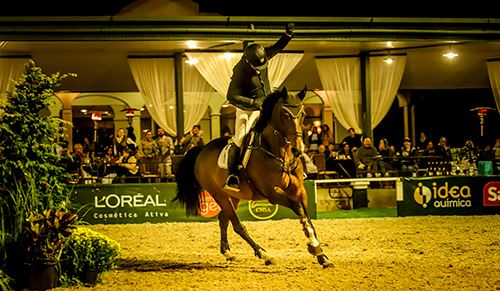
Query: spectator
x=353, y=139
x=109, y=162
x=121, y=141
x=326, y=135
x=148, y=150
x=469, y=151
x=314, y=139
x=385, y=157
x=496, y=149
x=346, y=152
x=429, y=151
x=443, y=149
x=422, y=142
x=165, y=146
x=408, y=165
x=193, y=138
x=88, y=146
x=365, y=157
x=127, y=169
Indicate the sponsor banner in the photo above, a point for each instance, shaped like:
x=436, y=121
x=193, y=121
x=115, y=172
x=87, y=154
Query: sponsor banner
x=455, y=195
x=151, y=202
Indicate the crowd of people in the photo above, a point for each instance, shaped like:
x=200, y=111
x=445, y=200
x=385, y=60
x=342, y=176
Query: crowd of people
x=357, y=156
x=122, y=158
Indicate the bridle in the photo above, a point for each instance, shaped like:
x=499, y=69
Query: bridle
x=284, y=135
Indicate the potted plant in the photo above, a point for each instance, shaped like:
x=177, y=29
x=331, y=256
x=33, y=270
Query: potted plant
x=88, y=254
x=43, y=233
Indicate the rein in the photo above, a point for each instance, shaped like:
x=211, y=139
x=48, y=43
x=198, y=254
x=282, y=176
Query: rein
x=281, y=160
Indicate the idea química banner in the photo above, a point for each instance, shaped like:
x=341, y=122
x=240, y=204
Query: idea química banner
x=454, y=195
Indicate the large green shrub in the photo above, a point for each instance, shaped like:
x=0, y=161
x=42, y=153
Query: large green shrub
x=31, y=173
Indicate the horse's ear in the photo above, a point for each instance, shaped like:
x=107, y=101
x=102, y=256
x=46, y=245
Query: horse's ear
x=284, y=94
x=302, y=93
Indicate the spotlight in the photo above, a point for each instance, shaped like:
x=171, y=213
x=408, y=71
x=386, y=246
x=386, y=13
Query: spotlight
x=450, y=54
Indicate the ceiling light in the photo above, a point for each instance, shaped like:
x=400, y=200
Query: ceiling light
x=389, y=43
x=192, y=61
x=227, y=56
x=450, y=55
x=388, y=60
x=191, y=44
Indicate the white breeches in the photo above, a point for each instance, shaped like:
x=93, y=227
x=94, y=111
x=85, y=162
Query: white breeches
x=243, y=123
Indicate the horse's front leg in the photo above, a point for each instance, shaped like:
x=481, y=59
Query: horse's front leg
x=313, y=244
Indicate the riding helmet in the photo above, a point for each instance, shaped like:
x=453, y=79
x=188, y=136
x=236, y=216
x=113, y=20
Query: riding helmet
x=256, y=55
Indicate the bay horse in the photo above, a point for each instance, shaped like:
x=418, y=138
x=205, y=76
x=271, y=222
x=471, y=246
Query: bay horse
x=273, y=173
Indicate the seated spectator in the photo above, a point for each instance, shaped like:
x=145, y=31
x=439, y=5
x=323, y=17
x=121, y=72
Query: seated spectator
x=428, y=152
x=353, y=139
x=385, y=157
x=331, y=151
x=322, y=150
x=75, y=168
x=443, y=149
x=365, y=157
x=126, y=168
x=407, y=150
x=496, y=149
x=346, y=152
x=309, y=167
x=469, y=151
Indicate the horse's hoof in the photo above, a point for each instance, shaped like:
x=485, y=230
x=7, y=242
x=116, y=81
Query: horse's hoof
x=328, y=264
x=230, y=257
x=270, y=262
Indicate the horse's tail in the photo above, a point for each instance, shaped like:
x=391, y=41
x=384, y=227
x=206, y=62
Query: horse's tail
x=188, y=187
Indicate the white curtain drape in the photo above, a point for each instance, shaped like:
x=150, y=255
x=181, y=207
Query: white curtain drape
x=10, y=69
x=385, y=81
x=155, y=78
x=280, y=66
x=218, y=70
x=341, y=79
x=494, y=74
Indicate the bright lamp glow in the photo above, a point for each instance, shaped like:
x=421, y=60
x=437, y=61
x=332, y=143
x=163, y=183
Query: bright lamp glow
x=450, y=55
x=192, y=61
x=227, y=56
x=388, y=60
x=191, y=44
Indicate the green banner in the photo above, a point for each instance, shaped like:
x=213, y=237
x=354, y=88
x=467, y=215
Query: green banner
x=455, y=195
x=151, y=202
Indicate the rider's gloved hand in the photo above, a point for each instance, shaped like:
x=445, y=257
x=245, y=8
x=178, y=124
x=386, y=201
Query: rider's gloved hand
x=289, y=28
x=257, y=103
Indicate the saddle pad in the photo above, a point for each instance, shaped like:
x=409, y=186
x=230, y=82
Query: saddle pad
x=223, y=157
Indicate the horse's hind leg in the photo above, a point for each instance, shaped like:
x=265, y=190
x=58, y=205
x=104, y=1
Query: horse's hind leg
x=224, y=244
x=229, y=213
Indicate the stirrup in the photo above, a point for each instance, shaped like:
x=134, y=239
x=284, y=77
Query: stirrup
x=232, y=185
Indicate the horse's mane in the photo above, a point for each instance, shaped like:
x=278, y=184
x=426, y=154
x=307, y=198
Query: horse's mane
x=267, y=111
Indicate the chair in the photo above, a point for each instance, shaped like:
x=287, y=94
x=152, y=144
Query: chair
x=320, y=162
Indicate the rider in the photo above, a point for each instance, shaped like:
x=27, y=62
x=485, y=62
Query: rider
x=248, y=88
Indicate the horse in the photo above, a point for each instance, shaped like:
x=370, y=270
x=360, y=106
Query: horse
x=273, y=173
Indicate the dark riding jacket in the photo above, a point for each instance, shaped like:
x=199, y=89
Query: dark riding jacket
x=246, y=84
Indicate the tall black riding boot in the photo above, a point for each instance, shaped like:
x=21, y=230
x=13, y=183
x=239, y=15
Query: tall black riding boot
x=232, y=181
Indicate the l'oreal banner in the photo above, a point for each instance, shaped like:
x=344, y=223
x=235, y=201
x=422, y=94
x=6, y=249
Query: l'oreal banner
x=139, y=203
x=457, y=195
